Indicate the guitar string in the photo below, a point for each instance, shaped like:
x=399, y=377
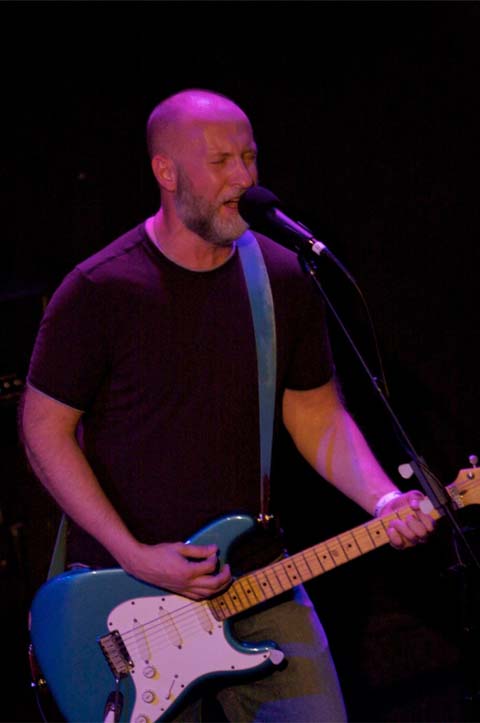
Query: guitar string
x=313, y=564
x=311, y=555
x=310, y=562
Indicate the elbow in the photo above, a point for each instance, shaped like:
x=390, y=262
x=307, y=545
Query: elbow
x=44, y=422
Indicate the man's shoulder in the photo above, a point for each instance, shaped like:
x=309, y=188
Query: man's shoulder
x=116, y=256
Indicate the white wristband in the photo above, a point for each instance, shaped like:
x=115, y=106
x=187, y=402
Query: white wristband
x=385, y=500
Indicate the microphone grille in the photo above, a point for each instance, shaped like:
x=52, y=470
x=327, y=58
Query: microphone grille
x=255, y=202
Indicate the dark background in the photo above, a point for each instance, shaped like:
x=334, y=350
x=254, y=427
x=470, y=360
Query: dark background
x=367, y=117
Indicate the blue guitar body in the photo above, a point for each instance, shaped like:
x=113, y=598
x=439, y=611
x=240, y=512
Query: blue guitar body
x=158, y=644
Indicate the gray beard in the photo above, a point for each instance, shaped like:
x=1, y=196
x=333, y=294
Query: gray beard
x=200, y=218
x=218, y=234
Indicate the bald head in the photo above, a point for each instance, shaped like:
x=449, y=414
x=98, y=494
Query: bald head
x=172, y=117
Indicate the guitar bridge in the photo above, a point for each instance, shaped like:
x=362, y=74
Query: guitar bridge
x=116, y=654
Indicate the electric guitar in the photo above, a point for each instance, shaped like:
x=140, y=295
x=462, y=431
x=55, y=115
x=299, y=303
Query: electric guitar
x=114, y=648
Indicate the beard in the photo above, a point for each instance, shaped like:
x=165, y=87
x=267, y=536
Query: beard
x=201, y=216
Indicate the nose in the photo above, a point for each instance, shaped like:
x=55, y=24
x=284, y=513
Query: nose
x=244, y=175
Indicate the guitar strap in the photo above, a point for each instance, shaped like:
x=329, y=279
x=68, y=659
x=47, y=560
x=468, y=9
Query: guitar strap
x=261, y=304
x=59, y=555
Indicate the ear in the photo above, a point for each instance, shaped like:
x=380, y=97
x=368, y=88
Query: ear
x=165, y=172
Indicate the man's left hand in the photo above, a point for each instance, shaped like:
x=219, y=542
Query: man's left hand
x=413, y=528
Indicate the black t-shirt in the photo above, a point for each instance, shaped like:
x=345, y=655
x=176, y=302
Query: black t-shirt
x=162, y=361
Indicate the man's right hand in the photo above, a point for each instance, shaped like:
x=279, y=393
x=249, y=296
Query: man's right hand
x=189, y=570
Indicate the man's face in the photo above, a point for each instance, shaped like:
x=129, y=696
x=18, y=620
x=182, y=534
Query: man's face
x=218, y=164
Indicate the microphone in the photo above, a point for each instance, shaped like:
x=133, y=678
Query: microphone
x=259, y=207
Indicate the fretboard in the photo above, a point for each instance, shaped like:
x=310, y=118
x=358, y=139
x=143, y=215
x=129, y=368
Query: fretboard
x=261, y=585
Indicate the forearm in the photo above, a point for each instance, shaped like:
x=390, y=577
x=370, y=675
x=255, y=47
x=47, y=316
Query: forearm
x=330, y=440
x=342, y=456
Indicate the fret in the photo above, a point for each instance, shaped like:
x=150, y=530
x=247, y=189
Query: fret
x=378, y=531
x=304, y=570
x=349, y=545
x=282, y=575
x=336, y=551
x=251, y=595
x=370, y=535
x=238, y=595
x=364, y=540
x=291, y=571
x=314, y=561
x=324, y=557
x=227, y=608
x=257, y=586
x=270, y=583
x=218, y=608
x=234, y=598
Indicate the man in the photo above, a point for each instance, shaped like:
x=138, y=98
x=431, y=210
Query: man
x=141, y=412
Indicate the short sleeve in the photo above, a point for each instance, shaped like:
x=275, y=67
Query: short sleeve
x=70, y=354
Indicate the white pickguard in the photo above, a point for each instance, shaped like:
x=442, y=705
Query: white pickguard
x=173, y=642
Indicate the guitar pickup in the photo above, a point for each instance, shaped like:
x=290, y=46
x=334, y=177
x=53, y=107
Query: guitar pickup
x=116, y=654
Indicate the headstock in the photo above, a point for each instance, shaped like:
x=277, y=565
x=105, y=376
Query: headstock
x=465, y=490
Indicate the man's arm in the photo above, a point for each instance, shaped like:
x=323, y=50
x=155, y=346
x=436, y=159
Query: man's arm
x=329, y=439
x=49, y=436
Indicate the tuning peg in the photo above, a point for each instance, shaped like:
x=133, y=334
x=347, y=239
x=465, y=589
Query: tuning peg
x=405, y=470
x=473, y=459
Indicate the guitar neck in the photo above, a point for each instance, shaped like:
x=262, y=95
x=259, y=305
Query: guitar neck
x=268, y=582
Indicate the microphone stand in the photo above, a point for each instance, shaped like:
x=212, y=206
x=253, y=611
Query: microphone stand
x=439, y=498
x=441, y=501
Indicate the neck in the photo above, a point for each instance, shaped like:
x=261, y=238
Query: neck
x=185, y=248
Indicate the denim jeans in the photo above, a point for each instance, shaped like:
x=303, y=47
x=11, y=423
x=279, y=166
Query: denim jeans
x=303, y=689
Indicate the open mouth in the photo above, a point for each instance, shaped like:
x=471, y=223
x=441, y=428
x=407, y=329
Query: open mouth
x=232, y=203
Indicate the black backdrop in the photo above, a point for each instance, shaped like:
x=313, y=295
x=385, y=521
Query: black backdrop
x=367, y=118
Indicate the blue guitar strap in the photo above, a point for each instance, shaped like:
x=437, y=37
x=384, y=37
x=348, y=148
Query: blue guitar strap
x=261, y=303
x=59, y=555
